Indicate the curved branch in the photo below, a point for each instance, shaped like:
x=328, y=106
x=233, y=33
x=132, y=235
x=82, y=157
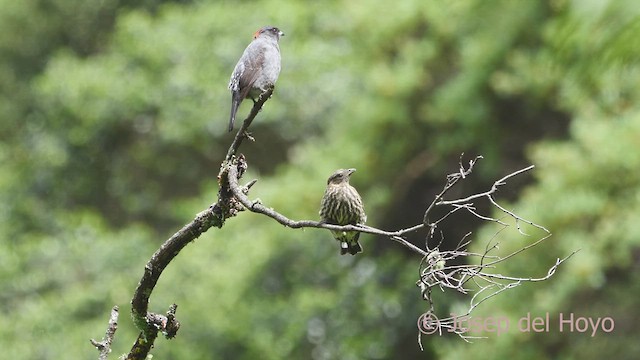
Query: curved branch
x=150, y=323
x=104, y=346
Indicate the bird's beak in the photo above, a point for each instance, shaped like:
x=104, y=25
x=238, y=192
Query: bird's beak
x=351, y=171
x=280, y=33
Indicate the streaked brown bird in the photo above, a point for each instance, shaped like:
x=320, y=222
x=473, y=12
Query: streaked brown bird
x=342, y=205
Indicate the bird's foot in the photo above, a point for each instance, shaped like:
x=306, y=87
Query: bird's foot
x=266, y=92
x=248, y=136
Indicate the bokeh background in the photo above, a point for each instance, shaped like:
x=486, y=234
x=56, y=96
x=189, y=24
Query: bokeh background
x=113, y=118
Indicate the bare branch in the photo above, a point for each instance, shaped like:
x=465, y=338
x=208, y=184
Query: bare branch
x=482, y=280
x=150, y=323
x=452, y=179
x=493, y=189
x=104, y=346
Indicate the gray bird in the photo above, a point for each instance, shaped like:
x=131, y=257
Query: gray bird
x=342, y=205
x=257, y=69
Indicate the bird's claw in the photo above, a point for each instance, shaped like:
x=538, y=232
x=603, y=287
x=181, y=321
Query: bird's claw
x=248, y=136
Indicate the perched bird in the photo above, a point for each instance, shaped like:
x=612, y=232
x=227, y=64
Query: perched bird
x=257, y=69
x=342, y=205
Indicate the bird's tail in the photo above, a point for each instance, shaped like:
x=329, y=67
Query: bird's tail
x=235, y=103
x=354, y=247
x=344, y=248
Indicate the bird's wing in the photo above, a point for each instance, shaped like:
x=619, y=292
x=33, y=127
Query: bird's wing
x=361, y=217
x=234, y=81
x=252, y=69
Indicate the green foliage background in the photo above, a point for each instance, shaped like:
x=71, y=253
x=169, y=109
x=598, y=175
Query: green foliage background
x=112, y=128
